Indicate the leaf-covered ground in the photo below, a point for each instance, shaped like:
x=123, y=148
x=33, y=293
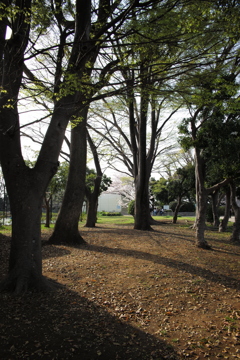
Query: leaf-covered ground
x=128, y=295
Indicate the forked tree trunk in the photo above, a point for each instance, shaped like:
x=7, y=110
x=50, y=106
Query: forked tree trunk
x=25, y=263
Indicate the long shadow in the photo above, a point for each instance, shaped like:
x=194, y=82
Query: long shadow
x=225, y=280
x=64, y=325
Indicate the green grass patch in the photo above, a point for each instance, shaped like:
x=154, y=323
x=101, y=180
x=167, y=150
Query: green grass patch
x=115, y=220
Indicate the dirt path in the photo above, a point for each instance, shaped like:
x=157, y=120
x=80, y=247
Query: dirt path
x=129, y=295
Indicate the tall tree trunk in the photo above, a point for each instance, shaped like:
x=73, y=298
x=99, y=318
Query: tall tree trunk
x=47, y=202
x=235, y=237
x=93, y=197
x=66, y=227
x=200, y=220
x=214, y=197
x=179, y=201
x=142, y=208
x=92, y=211
x=201, y=202
x=224, y=221
x=25, y=263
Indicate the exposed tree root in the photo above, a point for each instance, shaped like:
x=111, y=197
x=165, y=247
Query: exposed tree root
x=20, y=284
x=204, y=245
x=70, y=240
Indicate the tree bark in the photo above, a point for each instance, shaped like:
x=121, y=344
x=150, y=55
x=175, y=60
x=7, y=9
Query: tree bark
x=25, y=263
x=200, y=220
x=175, y=216
x=142, y=209
x=92, y=211
x=47, y=202
x=93, y=197
x=201, y=202
x=224, y=221
x=235, y=237
x=214, y=197
x=66, y=227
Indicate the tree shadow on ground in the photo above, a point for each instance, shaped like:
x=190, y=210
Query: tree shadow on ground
x=54, y=251
x=64, y=325
x=225, y=280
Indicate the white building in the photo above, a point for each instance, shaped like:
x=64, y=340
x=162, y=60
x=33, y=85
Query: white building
x=109, y=202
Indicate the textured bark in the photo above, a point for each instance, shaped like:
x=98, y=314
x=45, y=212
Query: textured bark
x=66, y=227
x=235, y=237
x=25, y=263
x=92, y=197
x=201, y=201
x=200, y=220
x=224, y=221
x=216, y=220
x=47, y=202
x=92, y=211
x=179, y=201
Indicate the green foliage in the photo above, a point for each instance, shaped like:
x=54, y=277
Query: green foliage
x=110, y=213
x=159, y=188
x=90, y=181
x=131, y=206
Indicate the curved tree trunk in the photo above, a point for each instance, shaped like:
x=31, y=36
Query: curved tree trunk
x=174, y=221
x=66, y=227
x=224, y=221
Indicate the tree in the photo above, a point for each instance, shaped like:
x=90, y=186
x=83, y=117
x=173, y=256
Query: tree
x=55, y=188
x=214, y=117
x=123, y=186
x=95, y=185
x=105, y=23
x=181, y=186
x=25, y=186
x=159, y=188
x=235, y=237
x=169, y=42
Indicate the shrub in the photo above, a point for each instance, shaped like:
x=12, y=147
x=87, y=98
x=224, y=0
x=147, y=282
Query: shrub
x=110, y=213
x=131, y=206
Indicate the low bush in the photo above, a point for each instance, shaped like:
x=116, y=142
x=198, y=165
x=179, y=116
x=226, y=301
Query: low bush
x=131, y=206
x=110, y=213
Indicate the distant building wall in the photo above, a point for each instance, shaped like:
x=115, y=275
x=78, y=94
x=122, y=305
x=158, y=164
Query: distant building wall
x=109, y=202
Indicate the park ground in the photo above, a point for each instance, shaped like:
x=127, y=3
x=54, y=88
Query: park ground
x=126, y=295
